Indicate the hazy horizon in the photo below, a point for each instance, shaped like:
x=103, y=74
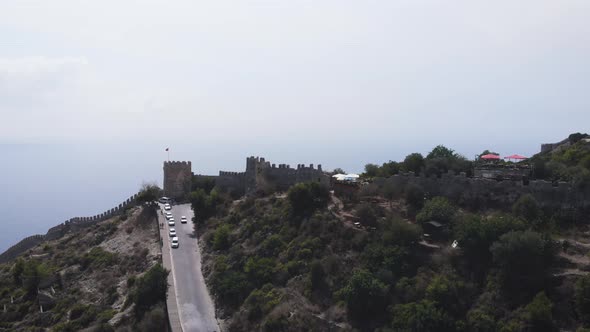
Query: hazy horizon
x=93, y=92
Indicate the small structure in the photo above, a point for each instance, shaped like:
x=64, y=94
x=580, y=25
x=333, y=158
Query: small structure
x=434, y=229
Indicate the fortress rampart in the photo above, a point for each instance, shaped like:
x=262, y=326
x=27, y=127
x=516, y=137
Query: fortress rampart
x=494, y=194
x=261, y=174
x=56, y=232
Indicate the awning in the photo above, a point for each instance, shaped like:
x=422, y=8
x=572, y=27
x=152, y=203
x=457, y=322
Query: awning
x=490, y=156
x=515, y=156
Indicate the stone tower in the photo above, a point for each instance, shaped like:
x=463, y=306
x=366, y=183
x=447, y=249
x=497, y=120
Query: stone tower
x=177, y=179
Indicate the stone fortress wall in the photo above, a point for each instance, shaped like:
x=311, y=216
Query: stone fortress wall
x=56, y=232
x=490, y=193
x=262, y=174
x=177, y=178
x=548, y=147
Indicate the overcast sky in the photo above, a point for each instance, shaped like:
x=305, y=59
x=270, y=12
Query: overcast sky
x=504, y=75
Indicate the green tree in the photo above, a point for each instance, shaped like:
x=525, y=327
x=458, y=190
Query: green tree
x=260, y=270
x=398, y=232
x=480, y=321
x=437, y=209
x=153, y=321
x=364, y=294
x=414, y=163
x=32, y=274
x=450, y=293
x=305, y=198
x=231, y=287
x=367, y=214
x=371, y=170
x=423, y=316
x=538, y=313
x=221, y=237
x=272, y=245
x=17, y=271
x=150, y=289
x=476, y=234
x=527, y=208
x=414, y=196
x=149, y=193
x=389, y=168
x=441, y=151
x=262, y=300
x=523, y=260
x=338, y=170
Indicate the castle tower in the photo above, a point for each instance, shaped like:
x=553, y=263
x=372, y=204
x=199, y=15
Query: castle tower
x=177, y=178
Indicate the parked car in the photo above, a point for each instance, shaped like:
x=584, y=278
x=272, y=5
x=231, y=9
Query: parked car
x=164, y=200
x=174, y=242
x=172, y=232
x=167, y=207
x=183, y=219
x=168, y=215
x=171, y=222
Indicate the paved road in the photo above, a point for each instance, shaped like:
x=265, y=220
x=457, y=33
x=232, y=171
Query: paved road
x=195, y=307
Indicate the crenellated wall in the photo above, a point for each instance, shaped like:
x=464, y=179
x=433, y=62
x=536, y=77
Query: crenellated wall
x=56, y=232
x=262, y=174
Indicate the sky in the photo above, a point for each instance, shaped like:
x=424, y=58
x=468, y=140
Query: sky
x=338, y=79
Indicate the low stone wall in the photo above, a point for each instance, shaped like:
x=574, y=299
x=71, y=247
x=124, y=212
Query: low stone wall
x=56, y=232
x=491, y=193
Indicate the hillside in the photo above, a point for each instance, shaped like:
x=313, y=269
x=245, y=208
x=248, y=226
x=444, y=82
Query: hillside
x=396, y=259
x=90, y=279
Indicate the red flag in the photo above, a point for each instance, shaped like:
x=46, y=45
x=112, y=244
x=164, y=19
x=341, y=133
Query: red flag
x=167, y=149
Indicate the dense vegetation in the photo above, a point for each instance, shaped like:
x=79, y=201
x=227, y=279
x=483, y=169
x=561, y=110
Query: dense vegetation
x=296, y=262
x=570, y=162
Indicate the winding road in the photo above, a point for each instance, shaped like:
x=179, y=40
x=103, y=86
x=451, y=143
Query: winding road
x=194, y=305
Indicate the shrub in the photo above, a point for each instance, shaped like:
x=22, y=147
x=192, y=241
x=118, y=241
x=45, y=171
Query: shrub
x=437, y=209
x=365, y=295
x=260, y=270
x=538, y=313
x=262, y=300
x=221, y=237
x=423, y=316
x=150, y=289
x=153, y=321
x=527, y=208
x=305, y=198
x=523, y=259
x=231, y=287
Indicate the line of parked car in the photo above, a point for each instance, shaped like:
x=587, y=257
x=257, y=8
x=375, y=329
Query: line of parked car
x=171, y=223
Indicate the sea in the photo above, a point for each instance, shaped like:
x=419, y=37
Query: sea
x=44, y=184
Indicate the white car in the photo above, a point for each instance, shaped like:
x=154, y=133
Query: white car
x=174, y=242
x=168, y=215
x=183, y=219
x=171, y=222
x=167, y=207
x=172, y=232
